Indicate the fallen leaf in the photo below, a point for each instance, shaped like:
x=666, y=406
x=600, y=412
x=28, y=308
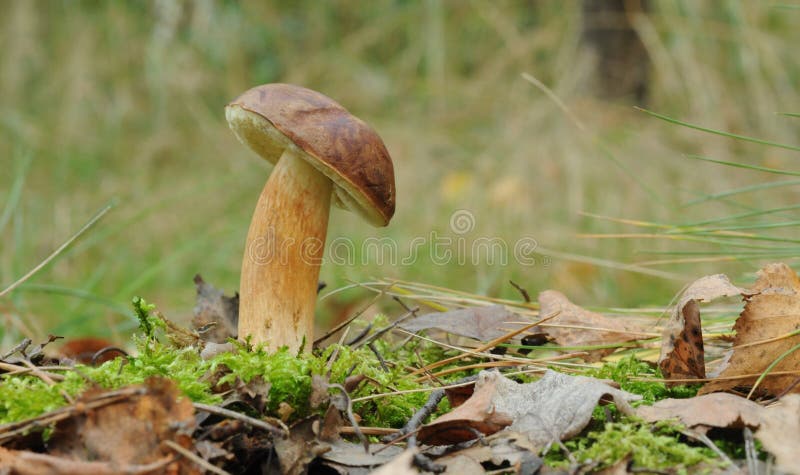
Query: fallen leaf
x=509, y=450
x=403, y=464
x=461, y=464
x=332, y=424
x=14, y=462
x=556, y=407
x=300, y=448
x=772, y=311
x=480, y=323
x=619, y=468
x=214, y=307
x=682, y=353
x=603, y=331
x=254, y=393
x=129, y=431
x=211, y=451
x=780, y=432
x=353, y=455
x=478, y=414
x=712, y=410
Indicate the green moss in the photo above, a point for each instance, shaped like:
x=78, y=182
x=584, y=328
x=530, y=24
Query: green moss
x=657, y=446
x=629, y=370
x=23, y=397
x=290, y=376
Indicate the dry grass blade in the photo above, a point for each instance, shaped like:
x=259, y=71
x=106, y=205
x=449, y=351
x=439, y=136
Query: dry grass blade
x=486, y=346
x=718, y=378
x=58, y=251
x=13, y=369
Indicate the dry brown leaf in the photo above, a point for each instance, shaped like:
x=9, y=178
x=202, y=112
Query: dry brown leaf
x=21, y=462
x=609, y=330
x=772, y=310
x=556, y=407
x=507, y=449
x=682, y=353
x=478, y=413
x=480, y=323
x=213, y=306
x=780, y=433
x=301, y=447
x=712, y=410
x=130, y=431
x=254, y=393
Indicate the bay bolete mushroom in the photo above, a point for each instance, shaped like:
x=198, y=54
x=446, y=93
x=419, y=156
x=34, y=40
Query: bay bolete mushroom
x=321, y=153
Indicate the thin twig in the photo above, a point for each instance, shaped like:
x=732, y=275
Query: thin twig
x=21, y=346
x=348, y=321
x=281, y=430
x=523, y=292
x=378, y=355
x=46, y=378
x=199, y=461
x=396, y=441
x=16, y=369
x=490, y=344
x=410, y=313
x=350, y=417
x=350, y=430
x=360, y=336
x=418, y=418
x=404, y=305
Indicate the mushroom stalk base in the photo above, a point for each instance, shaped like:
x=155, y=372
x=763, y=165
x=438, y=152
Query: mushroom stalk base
x=283, y=253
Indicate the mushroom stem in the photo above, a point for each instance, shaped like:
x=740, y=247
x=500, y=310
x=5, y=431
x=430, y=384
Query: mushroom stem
x=283, y=253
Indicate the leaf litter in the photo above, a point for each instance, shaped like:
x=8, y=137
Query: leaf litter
x=501, y=424
x=554, y=408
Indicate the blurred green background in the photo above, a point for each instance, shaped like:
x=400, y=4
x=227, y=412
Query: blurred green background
x=123, y=101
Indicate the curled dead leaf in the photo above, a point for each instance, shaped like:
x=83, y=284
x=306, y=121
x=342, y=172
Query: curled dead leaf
x=682, y=352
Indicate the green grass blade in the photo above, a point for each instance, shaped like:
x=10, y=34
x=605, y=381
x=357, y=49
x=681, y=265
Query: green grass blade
x=739, y=227
x=719, y=132
x=744, y=189
x=744, y=165
x=740, y=216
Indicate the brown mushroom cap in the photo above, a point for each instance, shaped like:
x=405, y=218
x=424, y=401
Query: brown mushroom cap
x=339, y=145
